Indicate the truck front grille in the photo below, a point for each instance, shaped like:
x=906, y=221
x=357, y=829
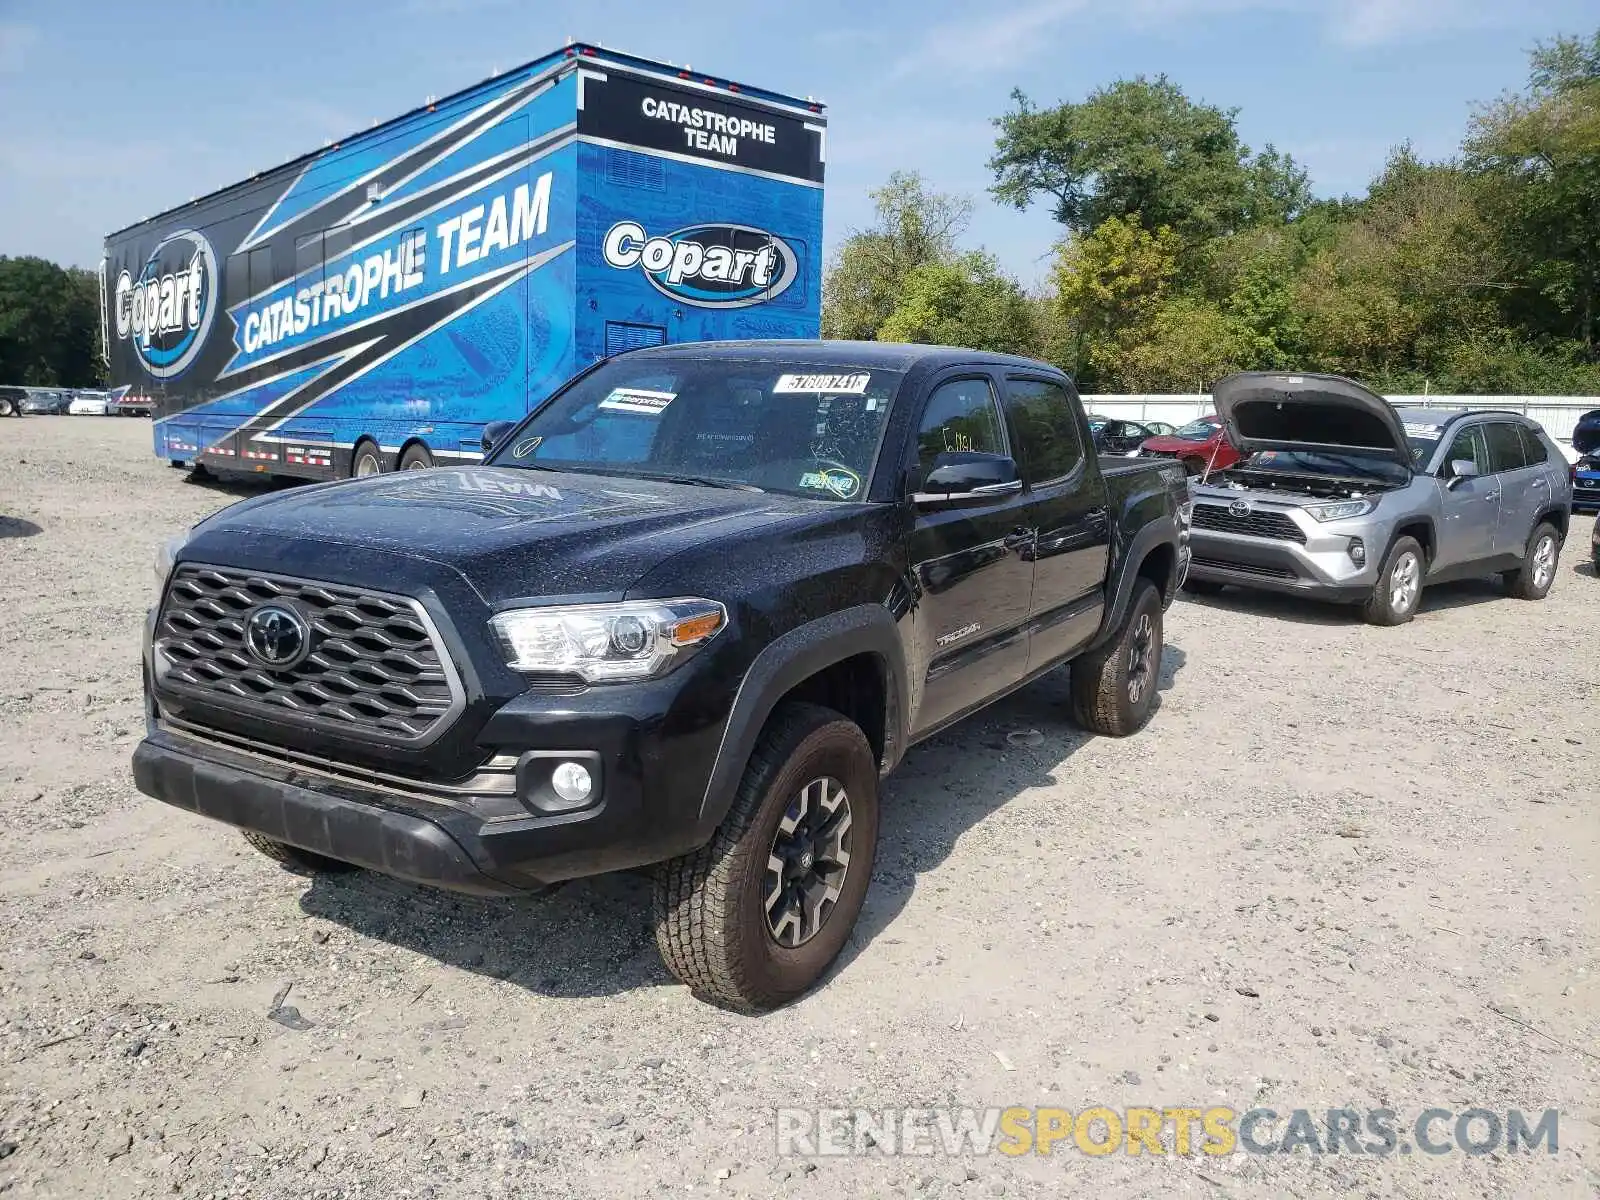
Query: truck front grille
x=373, y=669
x=1256, y=523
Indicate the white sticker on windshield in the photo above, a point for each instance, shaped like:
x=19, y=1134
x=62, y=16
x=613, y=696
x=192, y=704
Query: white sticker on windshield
x=1418, y=430
x=856, y=383
x=638, y=400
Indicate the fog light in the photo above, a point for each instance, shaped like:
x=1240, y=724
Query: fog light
x=571, y=782
x=1358, y=551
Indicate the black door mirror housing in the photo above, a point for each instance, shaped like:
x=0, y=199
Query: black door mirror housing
x=968, y=477
x=494, y=433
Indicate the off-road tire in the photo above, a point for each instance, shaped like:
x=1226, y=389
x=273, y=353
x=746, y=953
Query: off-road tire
x=365, y=459
x=294, y=857
x=1102, y=700
x=8, y=407
x=710, y=920
x=1203, y=587
x=1525, y=583
x=1380, y=608
x=416, y=458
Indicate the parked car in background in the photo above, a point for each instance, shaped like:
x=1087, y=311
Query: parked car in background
x=1113, y=436
x=1342, y=497
x=90, y=404
x=1160, y=428
x=1201, y=445
x=12, y=400
x=1586, y=470
x=47, y=404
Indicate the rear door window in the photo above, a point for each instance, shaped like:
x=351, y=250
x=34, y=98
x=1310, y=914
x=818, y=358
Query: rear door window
x=1532, y=446
x=1505, y=447
x=1047, y=429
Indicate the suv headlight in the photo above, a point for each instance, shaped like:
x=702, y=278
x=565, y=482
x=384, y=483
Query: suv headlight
x=1340, y=509
x=608, y=643
x=166, y=554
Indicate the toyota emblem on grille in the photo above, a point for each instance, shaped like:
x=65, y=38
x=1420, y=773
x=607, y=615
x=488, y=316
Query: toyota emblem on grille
x=1239, y=508
x=277, y=636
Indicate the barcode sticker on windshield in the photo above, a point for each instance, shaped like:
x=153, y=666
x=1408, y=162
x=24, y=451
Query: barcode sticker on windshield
x=638, y=400
x=856, y=383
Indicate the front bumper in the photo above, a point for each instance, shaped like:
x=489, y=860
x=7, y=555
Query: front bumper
x=485, y=835
x=1586, y=490
x=1321, y=567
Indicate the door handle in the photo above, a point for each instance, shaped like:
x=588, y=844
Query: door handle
x=1018, y=538
x=1492, y=497
x=1540, y=483
x=1097, y=516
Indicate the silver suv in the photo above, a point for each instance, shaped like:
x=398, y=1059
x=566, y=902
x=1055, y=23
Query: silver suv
x=1341, y=496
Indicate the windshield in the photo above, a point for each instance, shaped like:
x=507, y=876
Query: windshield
x=1347, y=463
x=790, y=426
x=1197, y=431
x=1423, y=439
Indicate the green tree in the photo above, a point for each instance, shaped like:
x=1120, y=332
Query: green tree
x=49, y=324
x=1107, y=284
x=965, y=301
x=1141, y=148
x=1542, y=150
x=866, y=280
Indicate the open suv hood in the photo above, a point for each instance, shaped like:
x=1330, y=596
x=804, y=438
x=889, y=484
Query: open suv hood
x=1267, y=411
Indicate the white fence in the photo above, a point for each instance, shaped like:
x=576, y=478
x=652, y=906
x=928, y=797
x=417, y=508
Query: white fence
x=1558, y=414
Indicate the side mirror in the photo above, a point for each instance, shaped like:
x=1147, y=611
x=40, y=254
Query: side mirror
x=1461, y=469
x=494, y=433
x=967, y=477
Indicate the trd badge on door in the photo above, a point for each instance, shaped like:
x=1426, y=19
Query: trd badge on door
x=956, y=635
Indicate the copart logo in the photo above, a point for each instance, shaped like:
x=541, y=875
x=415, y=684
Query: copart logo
x=709, y=266
x=168, y=310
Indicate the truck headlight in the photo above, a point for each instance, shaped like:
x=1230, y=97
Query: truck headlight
x=1340, y=509
x=608, y=643
x=166, y=555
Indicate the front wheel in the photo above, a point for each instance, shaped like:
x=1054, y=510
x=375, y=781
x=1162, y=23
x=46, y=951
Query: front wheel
x=1533, y=580
x=1398, y=591
x=754, y=918
x=1114, y=688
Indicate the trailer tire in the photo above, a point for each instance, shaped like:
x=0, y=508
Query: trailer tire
x=416, y=458
x=365, y=459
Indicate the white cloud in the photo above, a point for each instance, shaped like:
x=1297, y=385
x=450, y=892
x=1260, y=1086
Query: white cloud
x=980, y=43
x=16, y=39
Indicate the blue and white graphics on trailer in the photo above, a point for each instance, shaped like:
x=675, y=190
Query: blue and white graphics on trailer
x=399, y=290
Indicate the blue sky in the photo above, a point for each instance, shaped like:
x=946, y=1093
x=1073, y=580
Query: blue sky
x=114, y=111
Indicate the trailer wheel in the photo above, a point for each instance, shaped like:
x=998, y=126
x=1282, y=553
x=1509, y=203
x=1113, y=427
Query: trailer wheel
x=8, y=407
x=365, y=460
x=416, y=458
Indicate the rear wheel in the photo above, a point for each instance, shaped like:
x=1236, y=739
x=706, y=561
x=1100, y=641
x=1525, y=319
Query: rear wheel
x=294, y=857
x=365, y=460
x=8, y=407
x=416, y=458
x=1114, y=688
x=1533, y=580
x=1398, y=591
x=754, y=918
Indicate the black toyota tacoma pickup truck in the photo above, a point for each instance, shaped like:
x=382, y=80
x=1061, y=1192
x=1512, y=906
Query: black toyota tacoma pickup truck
x=684, y=616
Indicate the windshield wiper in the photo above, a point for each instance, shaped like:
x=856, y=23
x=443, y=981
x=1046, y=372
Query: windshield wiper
x=708, y=481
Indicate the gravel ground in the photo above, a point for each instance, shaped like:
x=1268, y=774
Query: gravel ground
x=1344, y=866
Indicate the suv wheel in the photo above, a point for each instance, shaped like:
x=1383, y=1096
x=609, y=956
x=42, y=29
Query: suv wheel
x=294, y=857
x=1532, y=581
x=754, y=918
x=1114, y=689
x=1399, y=588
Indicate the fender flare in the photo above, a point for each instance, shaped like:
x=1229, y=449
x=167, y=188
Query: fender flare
x=1160, y=532
x=788, y=661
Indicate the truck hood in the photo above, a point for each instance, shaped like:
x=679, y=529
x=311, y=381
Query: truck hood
x=1265, y=411
x=1586, y=437
x=510, y=533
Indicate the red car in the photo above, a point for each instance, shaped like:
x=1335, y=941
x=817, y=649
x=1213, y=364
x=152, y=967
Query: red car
x=1201, y=446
